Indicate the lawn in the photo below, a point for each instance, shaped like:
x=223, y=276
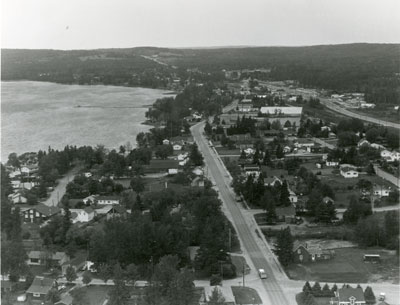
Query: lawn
x=348, y=266
x=246, y=295
x=97, y=294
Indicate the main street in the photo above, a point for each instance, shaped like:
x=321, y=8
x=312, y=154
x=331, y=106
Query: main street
x=259, y=258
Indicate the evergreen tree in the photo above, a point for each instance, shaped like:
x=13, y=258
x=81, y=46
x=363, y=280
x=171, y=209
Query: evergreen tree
x=284, y=246
x=284, y=195
x=326, y=292
x=195, y=156
x=268, y=202
x=87, y=277
x=279, y=152
x=256, y=157
x=119, y=293
x=316, y=289
x=70, y=274
x=334, y=288
x=267, y=158
x=369, y=295
x=66, y=224
x=307, y=287
x=208, y=128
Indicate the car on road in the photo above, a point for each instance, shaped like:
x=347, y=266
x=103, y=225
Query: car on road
x=262, y=274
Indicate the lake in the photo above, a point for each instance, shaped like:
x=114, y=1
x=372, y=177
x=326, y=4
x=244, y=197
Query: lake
x=36, y=115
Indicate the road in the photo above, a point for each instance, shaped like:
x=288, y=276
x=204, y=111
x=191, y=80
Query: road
x=331, y=105
x=385, y=175
x=248, y=240
x=60, y=189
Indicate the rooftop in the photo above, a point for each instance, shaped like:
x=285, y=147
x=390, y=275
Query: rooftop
x=282, y=110
x=344, y=294
x=41, y=285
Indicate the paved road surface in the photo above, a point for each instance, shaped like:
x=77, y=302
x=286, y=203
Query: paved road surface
x=331, y=105
x=216, y=170
x=60, y=189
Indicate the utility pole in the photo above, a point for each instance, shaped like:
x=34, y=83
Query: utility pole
x=243, y=273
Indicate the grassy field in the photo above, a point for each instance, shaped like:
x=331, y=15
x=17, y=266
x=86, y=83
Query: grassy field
x=97, y=294
x=387, y=114
x=246, y=295
x=320, y=300
x=348, y=266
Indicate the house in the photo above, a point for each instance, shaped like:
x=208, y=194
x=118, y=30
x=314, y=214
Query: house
x=271, y=181
x=182, y=157
x=165, y=142
x=177, y=147
x=327, y=200
x=89, y=199
x=284, y=111
x=88, y=174
x=292, y=196
x=39, y=213
x=37, y=258
x=82, y=215
x=377, y=146
x=198, y=182
x=363, y=142
x=249, y=151
x=386, y=154
x=161, y=166
x=286, y=149
x=198, y=171
x=39, y=288
x=304, y=143
x=252, y=170
x=77, y=263
x=381, y=191
x=116, y=211
x=227, y=297
x=17, y=197
x=108, y=200
x=305, y=253
x=348, y=171
x=348, y=296
x=332, y=163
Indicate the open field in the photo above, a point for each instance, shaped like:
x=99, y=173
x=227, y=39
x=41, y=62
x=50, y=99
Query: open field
x=387, y=114
x=348, y=266
x=97, y=294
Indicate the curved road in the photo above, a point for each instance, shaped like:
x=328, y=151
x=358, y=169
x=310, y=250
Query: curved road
x=220, y=176
x=331, y=105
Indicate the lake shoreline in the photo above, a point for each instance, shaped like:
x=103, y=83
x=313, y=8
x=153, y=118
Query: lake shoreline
x=36, y=115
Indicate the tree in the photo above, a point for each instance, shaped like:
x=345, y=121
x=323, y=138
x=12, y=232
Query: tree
x=195, y=156
x=70, y=274
x=284, y=195
x=137, y=185
x=185, y=288
x=316, y=289
x=307, y=288
x=79, y=296
x=279, y=152
x=326, y=292
x=13, y=259
x=370, y=169
x=369, y=295
x=276, y=125
x=372, y=134
x=119, y=293
x=215, y=280
x=66, y=224
x=208, y=128
x=131, y=273
x=105, y=272
x=284, y=246
x=53, y=296
x=356, y=210
x=163, y=151
x=268, y=202
x=87, y=277
x=216, y=297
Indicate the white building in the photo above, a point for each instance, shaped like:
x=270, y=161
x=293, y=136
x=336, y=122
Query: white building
x=165, y=142
x=102, y=200
x=348, y=171
x=82, y=215
x=381, y=191
x=177, y=147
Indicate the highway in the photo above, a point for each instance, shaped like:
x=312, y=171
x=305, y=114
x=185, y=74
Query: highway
x=248, y=240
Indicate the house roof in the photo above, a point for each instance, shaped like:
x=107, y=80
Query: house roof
x=271, y=180
x=39, y=254
x=108, y=198
x=117, y=209
x=327, y=198
x=46, y=210
x=312, y=249
x=41, y=285
x=344, y=294
x=282, y=110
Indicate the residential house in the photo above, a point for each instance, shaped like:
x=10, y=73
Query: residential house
x=198, y=171
x=377, y=146
x=89, y=199
x=39, y=288
x=165, y=142
x=249, y=151
x=82, y=215
x=348, y=171
x=304, y=143
x=251, y=170
x=363, y=142
x=18, y=197
x=198, y=182
x=42, y=257
x=177, y=147
x=227, y=297
x=332, y=163
x=348, y=296
x=161, y=166
x=182, y=157
x=292, y=196
x=109, y=200
x=116, y=211
x=39, y=213
x=327, y=200
x=305, y=253
x=381, y=191
x=77, y=263
x=271, y=181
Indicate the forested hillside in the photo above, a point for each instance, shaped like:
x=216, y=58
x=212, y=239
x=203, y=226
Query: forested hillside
x=370, y=68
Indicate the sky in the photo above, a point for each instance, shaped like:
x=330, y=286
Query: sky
x=90, y=24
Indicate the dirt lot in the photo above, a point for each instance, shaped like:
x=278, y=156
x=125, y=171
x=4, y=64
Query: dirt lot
x=348, y=266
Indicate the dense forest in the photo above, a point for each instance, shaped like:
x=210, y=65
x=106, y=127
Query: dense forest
x=369, y=68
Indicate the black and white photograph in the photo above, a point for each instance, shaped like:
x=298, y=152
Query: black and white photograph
x=200, y=152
